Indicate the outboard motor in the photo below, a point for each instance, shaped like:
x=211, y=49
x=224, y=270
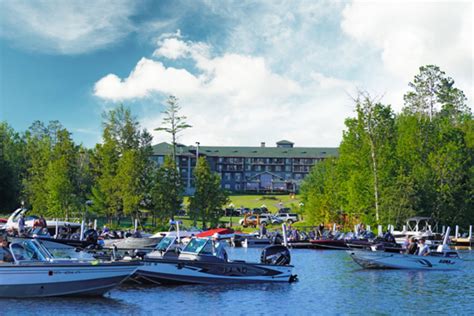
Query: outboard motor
x=275, y=254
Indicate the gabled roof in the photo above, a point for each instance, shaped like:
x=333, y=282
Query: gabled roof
x=251, y=152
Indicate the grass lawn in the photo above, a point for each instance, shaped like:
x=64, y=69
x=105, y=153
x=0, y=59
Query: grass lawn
x=272, y=202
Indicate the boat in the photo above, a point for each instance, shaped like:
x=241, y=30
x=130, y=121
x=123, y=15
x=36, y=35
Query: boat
x=418, y=227
x=198, y=263
x=442, y=259
x=389, y=260
x=35, y=272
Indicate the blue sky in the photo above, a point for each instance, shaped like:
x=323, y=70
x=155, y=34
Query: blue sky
x=244, y=72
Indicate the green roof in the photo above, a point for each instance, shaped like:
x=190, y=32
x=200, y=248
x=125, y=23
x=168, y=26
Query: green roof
x=163, y=149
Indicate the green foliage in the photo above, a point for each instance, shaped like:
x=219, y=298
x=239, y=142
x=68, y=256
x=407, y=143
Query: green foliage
x=167, y=193
x=12, y=166
x=209, y=197
x=391, y=167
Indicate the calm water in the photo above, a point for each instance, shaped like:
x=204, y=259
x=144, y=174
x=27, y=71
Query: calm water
x=329, y=283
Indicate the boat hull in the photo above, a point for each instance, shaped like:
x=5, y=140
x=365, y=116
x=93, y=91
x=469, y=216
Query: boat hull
x=329, y=244
x=387, y=260
x=44, y=280
x=194, y=272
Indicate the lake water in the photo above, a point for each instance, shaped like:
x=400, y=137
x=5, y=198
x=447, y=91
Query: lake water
x=329, y=283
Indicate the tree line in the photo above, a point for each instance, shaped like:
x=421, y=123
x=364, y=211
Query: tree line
x=117, y=178
x=392, y=166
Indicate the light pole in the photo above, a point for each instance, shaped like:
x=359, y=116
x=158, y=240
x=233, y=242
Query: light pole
x=197, y=151
x=231, y=206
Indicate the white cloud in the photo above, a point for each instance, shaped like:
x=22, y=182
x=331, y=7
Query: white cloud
x=288, y=69
x=410, y=34
x=238, y=99
x=66, y=27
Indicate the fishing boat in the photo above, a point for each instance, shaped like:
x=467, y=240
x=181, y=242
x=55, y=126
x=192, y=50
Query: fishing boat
x=32, y=271
x=198, y=263
x=419, y=227
x=442, y=259
x=389, y=260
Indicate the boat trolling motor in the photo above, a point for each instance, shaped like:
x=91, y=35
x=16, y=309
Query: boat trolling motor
x=276, y=254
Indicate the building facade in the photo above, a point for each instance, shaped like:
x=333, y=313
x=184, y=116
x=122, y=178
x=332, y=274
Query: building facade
x=248, y=169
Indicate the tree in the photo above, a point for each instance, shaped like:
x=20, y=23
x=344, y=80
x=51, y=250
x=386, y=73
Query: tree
x=167, y=193
x=209, y=197
x=12, y=166
x=173, y=123
x=423, y=99
x=122, y=166
x=320, y=191
x=60, y=176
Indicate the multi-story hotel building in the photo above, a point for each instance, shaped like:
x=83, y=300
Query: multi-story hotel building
x=280, y=168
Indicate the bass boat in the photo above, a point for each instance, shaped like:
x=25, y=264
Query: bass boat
x=28, y=269
x=200, y=263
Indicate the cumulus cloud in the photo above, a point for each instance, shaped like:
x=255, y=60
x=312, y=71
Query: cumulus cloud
x=409, y=34
x=237, y=99
x=288, y=69
x=66, y=27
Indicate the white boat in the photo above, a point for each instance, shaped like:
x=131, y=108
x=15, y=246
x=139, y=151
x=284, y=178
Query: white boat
x=442, y=259
x=34, y=272
x=387, y=260
x=12, y=222
x=418, y=227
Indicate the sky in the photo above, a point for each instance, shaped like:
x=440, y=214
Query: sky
x=245, y=72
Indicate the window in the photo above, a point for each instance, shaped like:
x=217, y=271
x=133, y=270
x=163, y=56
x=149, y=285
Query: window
x=277, y=168
x=238, y=176
x=287, y=168
x=227, y=176
x=161, y=160
x=237, y=187
x=227, y=186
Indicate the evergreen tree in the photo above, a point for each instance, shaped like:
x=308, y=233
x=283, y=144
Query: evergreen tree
x=167, y=193
x=209, y=197
x=173, y=123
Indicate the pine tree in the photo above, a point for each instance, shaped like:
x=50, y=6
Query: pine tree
x=209, y=197
x=167, y=193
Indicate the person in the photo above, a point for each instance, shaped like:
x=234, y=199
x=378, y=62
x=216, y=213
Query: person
x=423, y=249
x=263, y=230
x=412, y=246
x=43, y=222
x=21, y=225
x=219, y=249
x=5, y=254
x=319, y=232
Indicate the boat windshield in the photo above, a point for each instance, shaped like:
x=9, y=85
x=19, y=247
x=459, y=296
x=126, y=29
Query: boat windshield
x=199, y=246
x=165, y=243
x=28, y=250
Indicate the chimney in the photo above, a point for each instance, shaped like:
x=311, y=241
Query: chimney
x=262, y=144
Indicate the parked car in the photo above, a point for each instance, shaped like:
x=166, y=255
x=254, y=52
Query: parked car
x=231, y=212
x=288, y=217
x=243, y=210
x=266, y=219
x=259, y=210
x=284, y=210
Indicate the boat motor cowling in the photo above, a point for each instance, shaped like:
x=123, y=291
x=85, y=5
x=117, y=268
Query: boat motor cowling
x=276, y=254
